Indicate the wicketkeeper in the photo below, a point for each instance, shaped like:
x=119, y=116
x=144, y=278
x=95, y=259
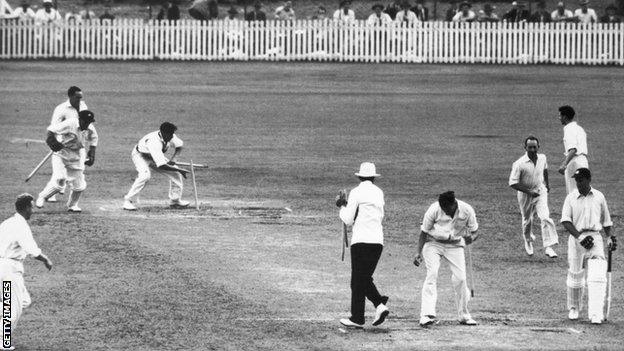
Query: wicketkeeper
x=149, y=154
x=584, y=215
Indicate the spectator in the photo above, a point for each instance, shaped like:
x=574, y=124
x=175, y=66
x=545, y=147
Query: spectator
x=87, y=14
x=421, y=11
x=378, y=17
x=584, y=14
x=232, y=15
x=204, y=10
x=393, y=8
x=406, y=15
x=173, y=12
x=541, y=15
x=73, y=15
x=321, y=13
x=285, y=12
x=487, y=14
x=518, y=13
x=162, y=14
x=107, y=17
x=47, y=14
x=611, y=15
x=452, y=11
x=257, y=14
x=561, y=14
x=213, y=9
x=24, y=12
x=465, y=14
x=344, y=14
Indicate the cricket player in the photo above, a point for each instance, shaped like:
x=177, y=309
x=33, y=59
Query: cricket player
x=447, y=227
x=16, y=243
x=364, y=210
x=68, y=109
x=529, y=176
x=68, y=140
x=575, y=145
x=584, y=215
x=148, y=154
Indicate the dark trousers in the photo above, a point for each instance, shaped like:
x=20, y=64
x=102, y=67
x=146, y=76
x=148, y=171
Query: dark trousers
x=364, y=258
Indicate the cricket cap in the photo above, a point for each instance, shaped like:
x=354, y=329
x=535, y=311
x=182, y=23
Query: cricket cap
x=582, y=173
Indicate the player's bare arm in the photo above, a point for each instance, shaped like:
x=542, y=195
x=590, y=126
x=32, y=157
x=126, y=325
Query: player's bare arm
x=176, y=153
x=46, y=261
x=546, y=180
x=90, y=156
x=571, y=229
x=421, y=242
x=472, y=237
x=524, y=189
x=571, y=154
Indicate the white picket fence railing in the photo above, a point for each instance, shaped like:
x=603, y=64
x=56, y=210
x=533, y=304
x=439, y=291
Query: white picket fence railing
x=305, y=40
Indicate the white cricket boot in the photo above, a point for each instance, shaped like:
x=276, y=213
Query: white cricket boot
x=528, y=245
x=72, y=203
x=550, y=252
x=178, y=204
x=128, y=205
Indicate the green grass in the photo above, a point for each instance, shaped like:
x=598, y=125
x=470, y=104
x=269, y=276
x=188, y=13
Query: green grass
x=293, y=134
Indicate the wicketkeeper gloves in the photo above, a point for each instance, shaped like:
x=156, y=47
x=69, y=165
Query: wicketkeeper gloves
x=588, y=242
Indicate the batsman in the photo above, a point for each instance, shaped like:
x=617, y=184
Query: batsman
x=584, y=215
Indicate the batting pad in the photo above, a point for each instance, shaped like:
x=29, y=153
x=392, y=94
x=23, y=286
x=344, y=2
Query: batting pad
x=596, y=287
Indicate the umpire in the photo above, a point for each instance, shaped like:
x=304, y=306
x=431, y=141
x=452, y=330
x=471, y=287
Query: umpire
x=364, y=210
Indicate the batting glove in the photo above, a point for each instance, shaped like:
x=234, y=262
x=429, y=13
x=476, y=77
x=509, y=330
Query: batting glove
x=588, y=242
x=55, y=146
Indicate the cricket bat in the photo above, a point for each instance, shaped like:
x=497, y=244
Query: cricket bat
x=608, y=304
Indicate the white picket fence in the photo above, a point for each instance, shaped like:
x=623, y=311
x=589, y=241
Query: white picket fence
x=305, y=40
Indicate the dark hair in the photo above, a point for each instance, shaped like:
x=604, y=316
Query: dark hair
x=72, y=90
x=23, y=201
x=531, y=137
x=567, y=111
x=447, y=198
x=86, y=115
x=168, y=128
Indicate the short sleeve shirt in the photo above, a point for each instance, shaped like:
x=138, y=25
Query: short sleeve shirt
x=441, y=227
x=556, y=16
x=586, y=212
x=528, y=174
x=154, y=145
x=574, y=137
x=16, y=239
x=589, y=17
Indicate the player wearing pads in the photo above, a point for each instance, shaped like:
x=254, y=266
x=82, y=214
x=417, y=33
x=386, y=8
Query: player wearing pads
x=447, y=227
x=148, y=154
x=365, y=211
x=529, y=176
x=66, y=110
x=575, y=145
x=17, y=243
x=584, y=214
x=68, y=140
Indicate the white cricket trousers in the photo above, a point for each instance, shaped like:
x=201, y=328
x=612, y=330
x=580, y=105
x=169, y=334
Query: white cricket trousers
x=144, y=168
x=577, y=162
x=66, y=172
x=20, y=298
x=529, y=206
x=577, y=256
x=432, y=253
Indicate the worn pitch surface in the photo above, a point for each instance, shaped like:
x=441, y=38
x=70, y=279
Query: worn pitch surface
x=258, y=267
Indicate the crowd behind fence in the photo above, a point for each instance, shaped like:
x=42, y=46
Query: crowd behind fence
x=309, y=40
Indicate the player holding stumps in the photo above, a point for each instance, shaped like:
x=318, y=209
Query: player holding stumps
x=529, y=176
x=584, y=214
x=575, y=147
x=68, y=140
x=148, y=154
x=365, y=211
x=447, y=227
x=17, y=243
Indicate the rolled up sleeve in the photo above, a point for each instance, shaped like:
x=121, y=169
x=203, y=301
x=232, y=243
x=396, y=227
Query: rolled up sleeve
x=428, y=220
x=566, y=211
x=154, y=147
x=347, y=213
x=606, y=216
x=27, y=242
x=472, y=224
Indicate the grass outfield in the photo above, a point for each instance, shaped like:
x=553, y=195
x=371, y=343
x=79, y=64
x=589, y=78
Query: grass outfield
x=244, y=273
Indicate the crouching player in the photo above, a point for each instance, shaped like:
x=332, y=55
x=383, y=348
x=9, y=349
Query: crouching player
x=584, y=214
x=68, y=139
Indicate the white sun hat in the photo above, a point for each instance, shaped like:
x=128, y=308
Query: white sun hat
x=367, y=169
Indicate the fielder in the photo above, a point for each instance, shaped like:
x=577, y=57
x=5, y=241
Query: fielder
x=66, y=110
x=68, y=140
x=16, y=243
x=364, y=210
x=584, y=214
x=575, y=145
x=148, y=154
x=447, y=227
x=529, y=176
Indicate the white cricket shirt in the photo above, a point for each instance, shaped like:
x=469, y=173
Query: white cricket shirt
x=459, y=16
x=384, y=18
x=524, y=172
x=556, y=16
x=153, y=145
x=586, y=212
x=45, y=17
x=586, y=18
x=339, y=15
x=441, y=227
x=16, y=240
x=411, y=17
x=367, y=200
x=65, y=110
x=574, y=137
